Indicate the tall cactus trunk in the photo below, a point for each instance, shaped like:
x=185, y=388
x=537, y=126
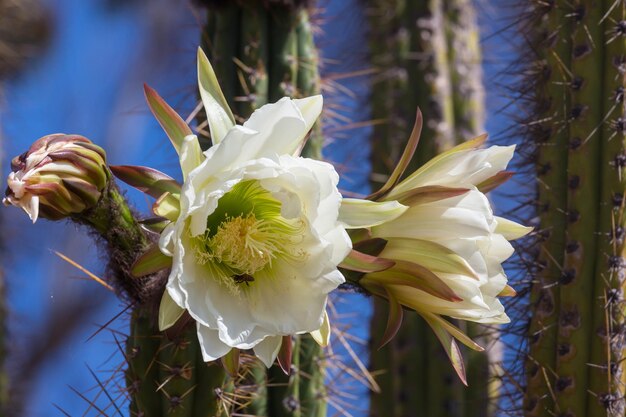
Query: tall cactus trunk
x=428, y=56
x=576, y=341
x=262, y=52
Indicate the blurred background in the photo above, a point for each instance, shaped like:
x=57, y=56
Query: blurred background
x=78, y=66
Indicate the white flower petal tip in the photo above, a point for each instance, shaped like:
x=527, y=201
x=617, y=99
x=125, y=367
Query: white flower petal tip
x=211, y=347
x=511, y=230
x=268, y=349
x=281, y=128
x=311, y=108
x=462, y=166
x=322, y=335
x=169, y=312
x=191, y=155
x=508, y=291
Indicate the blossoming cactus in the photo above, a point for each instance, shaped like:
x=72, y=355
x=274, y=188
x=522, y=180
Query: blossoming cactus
x=253, y=239
x=250, y=210
x=257, y=230
x=427, y=55
x=263, y=51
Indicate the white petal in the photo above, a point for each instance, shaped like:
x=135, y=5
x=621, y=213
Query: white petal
x=169, y=312
x=190, y=154
x=210, y=344
x=322, y=335
x=31, y=206
x=166, y=240
x=356, y=213
x=511, y=230
x=465, y=216
x=341, y=244
x=301, y=306
x=231, y=152
x=458, y=169
x=472, y=308
x=268, y=349
x=311, y=108
x=280, y=126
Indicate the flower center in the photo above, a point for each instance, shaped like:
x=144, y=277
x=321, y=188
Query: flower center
x=245, y=243
x=246, y=233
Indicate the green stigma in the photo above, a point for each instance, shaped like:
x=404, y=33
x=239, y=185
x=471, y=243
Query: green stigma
x=246, y=234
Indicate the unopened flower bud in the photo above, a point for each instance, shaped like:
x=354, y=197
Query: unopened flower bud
x=58, y=176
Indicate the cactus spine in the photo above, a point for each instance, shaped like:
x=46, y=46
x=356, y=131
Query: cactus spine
x=428, y=56
x=576, y=331
x=551, y=135
x=262, y=52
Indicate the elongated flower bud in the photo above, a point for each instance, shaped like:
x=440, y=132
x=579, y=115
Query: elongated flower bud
x=58, y=176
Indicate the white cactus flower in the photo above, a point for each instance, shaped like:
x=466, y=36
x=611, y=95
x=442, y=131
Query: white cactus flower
x=255, y=242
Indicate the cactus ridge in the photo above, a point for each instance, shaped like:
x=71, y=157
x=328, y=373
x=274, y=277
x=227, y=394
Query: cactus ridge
x=576, y=344
x=427, y=55
x=166, y=375
x=262, y=52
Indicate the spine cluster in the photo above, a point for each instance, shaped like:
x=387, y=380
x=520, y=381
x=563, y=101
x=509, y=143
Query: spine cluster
x=576, y=335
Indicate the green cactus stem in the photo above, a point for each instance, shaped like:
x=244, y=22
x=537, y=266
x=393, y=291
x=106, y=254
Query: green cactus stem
x=142, y=374
x=552, y=136
x=255, y=381
x=427, y=56
x=576, y=335
x=575, y=312
x=166, y=375
x=309, y=82
x=283, y=65
x=177, y=365
x=270, y=49
x=283, y=391
x=465, y=63
x=252, y=60
x=114, y=222
x=606, y=374
x=311, y=365
x=211, y=389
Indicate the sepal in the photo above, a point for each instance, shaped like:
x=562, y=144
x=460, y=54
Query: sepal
x=147, y=180
x=218, y=114
x=173, y=125
x=151, y=261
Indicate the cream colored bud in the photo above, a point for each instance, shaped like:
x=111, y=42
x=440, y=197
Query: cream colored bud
x=58, y=176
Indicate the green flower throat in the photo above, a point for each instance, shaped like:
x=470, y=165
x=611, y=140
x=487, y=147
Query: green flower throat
x=245, y=235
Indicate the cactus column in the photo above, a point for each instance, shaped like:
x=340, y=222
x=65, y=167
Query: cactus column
x=574, y=365
x=263, y=51
x=428, y=56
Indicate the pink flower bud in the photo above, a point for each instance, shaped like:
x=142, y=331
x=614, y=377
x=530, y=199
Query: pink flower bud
x=58, y=176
